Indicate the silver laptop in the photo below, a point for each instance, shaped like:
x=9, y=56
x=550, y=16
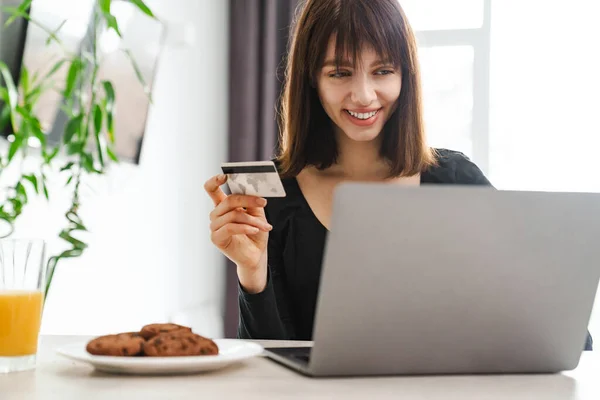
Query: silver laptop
x=453, y=280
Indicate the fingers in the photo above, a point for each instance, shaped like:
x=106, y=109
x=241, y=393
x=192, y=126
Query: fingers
x=213, y=188
x=233, y=202
x=222, y=236
x=240, y=217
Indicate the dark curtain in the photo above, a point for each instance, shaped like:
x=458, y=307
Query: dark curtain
x=258, y=43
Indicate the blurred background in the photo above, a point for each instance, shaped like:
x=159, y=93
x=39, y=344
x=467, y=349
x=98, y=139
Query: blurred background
x=514, y=84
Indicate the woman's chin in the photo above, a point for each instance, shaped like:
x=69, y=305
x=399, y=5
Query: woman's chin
x=363, y=135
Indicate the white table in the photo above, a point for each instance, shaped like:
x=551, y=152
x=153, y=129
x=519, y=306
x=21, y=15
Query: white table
x=260, y=378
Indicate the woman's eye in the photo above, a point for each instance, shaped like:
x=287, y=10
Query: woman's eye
x=339, y=74
x=384, y=72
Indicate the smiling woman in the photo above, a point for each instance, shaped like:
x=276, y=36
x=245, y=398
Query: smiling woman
x=362, y=60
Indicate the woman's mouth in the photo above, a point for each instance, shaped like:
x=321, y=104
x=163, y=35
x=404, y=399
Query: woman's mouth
x=363, y=118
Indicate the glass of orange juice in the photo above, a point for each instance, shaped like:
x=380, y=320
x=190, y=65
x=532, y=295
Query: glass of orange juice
x=22, y=281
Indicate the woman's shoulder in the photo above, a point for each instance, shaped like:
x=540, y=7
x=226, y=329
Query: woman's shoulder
x=454, y=167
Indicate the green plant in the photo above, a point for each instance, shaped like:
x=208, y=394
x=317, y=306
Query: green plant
x=87, y=145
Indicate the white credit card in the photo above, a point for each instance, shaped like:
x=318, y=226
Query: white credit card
x=255, y=178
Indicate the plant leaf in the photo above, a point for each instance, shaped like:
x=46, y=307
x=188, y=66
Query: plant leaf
x=37, y=132
x=18, y=12
x=49, y=157
x=14, y=14
x=135, y=66
x=109, y=107
x=31, y=178
x=98, y=116
x=143, y=7
x=34, y=95
x=24, y=5
x=83, y=135
x=32, y=126
x=104, y=5
x=15, y=146
x=68, y=166
x=25, y=79
x=111, y=154
x=75, y=148
x=73, y=127
x=11, y=92
x=44, y=187
x=73, y=76
x=97, y=119
x=10, y=84
x=20, y=189
x=4, y=117
x=111, y=22
x=54, y=32
x=55, y=68
x=69, y=180
x=87, y=162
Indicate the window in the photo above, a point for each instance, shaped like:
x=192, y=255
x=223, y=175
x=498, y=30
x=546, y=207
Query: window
x=448, y=94
x=453, y=39
x=514, y=85
x=545, y=95
x=431, y=15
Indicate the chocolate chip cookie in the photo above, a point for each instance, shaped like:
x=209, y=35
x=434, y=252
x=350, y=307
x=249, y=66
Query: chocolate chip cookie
x=121, y=344
x=152, y=330
x=180, y=343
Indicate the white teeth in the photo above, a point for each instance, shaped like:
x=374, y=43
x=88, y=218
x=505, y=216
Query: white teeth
x=362, y=115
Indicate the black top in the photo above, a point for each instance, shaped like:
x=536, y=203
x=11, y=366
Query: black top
x=285, y=310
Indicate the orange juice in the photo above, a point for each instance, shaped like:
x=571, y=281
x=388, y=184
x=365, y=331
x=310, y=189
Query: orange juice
x=20, y=319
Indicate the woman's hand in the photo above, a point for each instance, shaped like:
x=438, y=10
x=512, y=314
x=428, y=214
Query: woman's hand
x=239, y=229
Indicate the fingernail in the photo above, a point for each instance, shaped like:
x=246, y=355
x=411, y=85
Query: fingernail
x=221, y=177
x=261, y=202
x=269, y=227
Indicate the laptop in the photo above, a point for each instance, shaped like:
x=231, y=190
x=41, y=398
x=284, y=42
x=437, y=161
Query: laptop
x=453, y=280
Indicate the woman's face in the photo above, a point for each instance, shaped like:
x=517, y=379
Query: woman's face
x=359, y=98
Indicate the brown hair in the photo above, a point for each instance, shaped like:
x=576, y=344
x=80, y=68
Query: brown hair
x=307, y=136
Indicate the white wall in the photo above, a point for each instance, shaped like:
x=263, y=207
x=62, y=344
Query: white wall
x=150, y=258
x=197, y=87
x=545, y=95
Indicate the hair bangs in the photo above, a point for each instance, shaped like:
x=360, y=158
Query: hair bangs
x=361, y=25
x=355, y=25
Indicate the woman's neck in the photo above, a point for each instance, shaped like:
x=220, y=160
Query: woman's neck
x=358, y=160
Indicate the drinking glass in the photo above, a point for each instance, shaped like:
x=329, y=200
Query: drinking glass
x=22, y=280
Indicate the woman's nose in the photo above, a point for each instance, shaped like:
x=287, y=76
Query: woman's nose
x=363, y=91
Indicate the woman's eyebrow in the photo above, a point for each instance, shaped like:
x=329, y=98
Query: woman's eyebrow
x=348, y=64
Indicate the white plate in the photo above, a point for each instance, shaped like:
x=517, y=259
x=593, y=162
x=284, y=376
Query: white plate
x=230, y=351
